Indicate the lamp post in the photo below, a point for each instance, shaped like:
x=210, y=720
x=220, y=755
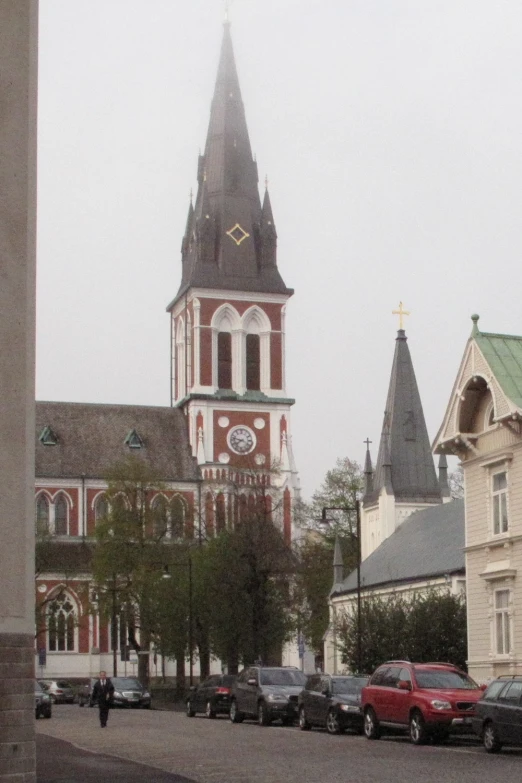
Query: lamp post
x=166, y=575
x=357, y=536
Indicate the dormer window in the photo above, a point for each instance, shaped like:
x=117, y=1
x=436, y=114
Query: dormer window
x=133, y=440
x=47, y=437
x=489, y=416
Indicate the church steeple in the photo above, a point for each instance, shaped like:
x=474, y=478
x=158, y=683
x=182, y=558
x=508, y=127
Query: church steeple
x=405, y=464
x=233, y=240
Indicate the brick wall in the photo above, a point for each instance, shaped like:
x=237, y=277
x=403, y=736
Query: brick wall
x=17, y=746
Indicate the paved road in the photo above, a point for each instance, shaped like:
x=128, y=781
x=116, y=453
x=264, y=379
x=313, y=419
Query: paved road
x=215, y=751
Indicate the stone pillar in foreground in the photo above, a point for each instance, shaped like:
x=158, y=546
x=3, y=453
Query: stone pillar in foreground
x=18, y=73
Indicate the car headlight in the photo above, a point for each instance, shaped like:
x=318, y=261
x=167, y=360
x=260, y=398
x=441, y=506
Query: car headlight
x=438, y=704
x=146, y=695
x=118, y=693
x=277, y=697
x=349, y=708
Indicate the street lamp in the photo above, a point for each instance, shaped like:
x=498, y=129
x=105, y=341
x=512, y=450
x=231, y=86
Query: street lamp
x=357, y=537
x=167, y=575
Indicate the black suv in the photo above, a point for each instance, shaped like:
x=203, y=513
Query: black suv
x=333, y=701
x=498, y=715
x=266, y=693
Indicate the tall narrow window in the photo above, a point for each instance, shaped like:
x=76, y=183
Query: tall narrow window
x=502, y=634
x=253, y=362
x=60, y=516
x=42, y=515
x=61, y=625
x=160, y=517
x=220, y=513
x=224, y=360
x=499, y=497
x=101, y=509
x=177, y=517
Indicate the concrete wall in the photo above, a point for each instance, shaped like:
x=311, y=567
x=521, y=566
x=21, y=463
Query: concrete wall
x=18, y=73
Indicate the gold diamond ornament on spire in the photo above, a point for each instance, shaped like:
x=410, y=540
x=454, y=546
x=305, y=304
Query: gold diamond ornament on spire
x=238, y=234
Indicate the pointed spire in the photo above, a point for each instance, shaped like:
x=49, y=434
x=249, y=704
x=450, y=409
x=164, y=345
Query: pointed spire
x=405, y=464
x=241, y=253
x=338, y=564
x=475, y=330
x=368, y=470
x=443, y=479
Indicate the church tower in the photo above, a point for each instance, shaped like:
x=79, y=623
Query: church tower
x=228, y=316
x=404, y=479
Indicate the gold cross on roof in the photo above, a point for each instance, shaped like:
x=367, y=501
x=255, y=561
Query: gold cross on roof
x=401, y=313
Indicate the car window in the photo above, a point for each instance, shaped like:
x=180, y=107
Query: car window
x=494, y=689
x=212, y=681
x=282, y=677
x=350, y=685
x=512, y=694
x=228, y=679
x=444, y=678
x=63, y=684
x=326, y=684
x=391, y=677
x=404, y=676
x=379, y=675
x=312, y=682
x=38, y=688
x=125, y=682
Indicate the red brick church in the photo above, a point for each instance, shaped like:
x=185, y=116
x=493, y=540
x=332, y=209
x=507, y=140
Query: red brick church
x=229, y=419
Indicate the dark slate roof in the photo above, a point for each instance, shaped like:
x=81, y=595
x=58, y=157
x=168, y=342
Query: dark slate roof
x=427, y=544
x=91, y=439
x=228, y=195
x=405, y=457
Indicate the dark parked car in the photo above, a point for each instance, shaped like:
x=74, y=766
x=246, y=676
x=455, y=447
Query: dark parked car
x=424, y=699
x=60, y=691
x=211, y=696
x=498, y=716
x=266, y=693
x=332, y=701
x=129, y=692
x=42, y=702
x=85, y=693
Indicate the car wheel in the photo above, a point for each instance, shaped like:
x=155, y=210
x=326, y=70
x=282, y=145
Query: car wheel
x=48, y=714
x=209, y=710
x=372, y=729
x=303, y=723
x=490, y=738
x=234, y=714
x=418, y=733
x=332, y=723
x=189, y=711
x=263, y=716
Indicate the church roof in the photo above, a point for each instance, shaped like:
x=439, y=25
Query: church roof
x=89, y=439
x=405, y=462
x=230, y=240
x=429, y=543
x=503, y=353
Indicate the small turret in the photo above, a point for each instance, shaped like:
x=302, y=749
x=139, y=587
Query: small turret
x=338, y=565
x=443, y=479
x=368, y=470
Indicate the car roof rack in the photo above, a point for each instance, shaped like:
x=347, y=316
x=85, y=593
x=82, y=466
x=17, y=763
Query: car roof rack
x=438, y=663
x=507, y=676
x=398, y=661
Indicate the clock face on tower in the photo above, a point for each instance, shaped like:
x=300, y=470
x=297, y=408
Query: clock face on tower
x=241, y=440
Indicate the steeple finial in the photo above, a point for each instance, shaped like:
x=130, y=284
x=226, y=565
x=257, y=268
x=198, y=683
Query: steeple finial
x=368, y=469
x=401, y=313
x=191, y=195
x=475, y=330
x=227, y=4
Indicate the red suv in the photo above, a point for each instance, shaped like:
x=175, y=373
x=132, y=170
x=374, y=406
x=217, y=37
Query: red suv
x=426, y=699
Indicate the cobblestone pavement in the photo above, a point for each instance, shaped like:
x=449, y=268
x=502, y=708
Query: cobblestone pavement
x=215, y=751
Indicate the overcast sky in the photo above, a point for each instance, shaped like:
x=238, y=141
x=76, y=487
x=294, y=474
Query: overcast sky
x=390, y=131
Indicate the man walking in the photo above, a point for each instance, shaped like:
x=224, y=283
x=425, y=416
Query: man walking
x=102, y=694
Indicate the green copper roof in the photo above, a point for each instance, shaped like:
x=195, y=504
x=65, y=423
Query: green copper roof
x=503, y=353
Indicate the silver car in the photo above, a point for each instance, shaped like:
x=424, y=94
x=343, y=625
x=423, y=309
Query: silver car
x=60, y=691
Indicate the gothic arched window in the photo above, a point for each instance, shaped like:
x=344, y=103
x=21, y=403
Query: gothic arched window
x=61, y=624
x=253, y=362
x=160, y=516
x=220, y=513
x=61, y=516
x=42, y=515
x=177, y=516
x=101, y=509
x=224, y=340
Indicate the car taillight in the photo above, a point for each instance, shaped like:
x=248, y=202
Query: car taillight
x=223, y=690
x=58, y=691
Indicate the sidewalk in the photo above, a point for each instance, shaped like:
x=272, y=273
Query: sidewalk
x=58, y=761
